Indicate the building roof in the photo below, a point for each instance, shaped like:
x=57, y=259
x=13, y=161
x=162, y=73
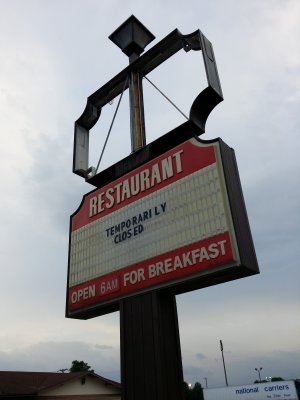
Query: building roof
x=31, y=383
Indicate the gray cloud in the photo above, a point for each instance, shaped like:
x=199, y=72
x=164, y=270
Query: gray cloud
x=200, y=356
x=52, y=356
x=46, y=76
x=241, y=370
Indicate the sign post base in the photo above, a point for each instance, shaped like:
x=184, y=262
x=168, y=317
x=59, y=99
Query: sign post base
x=151, y=367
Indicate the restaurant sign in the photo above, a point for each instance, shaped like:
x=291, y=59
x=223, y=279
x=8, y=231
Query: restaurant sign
x=174, y=222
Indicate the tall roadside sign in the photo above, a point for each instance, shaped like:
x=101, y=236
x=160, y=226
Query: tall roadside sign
x=167, y=219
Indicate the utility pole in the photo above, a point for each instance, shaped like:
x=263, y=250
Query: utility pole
x=206, y=383
x=221, y=345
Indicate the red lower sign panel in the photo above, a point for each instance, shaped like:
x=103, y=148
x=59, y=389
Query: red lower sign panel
x=172, y=266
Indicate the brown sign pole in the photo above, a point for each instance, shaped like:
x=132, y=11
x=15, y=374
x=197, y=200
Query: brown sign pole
x=132, y=37
x=151, y=366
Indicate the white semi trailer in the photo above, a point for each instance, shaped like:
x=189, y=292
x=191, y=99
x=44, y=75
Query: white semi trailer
x=259, y=391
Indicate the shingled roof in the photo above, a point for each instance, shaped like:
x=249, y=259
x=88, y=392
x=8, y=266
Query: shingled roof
x=14, y=383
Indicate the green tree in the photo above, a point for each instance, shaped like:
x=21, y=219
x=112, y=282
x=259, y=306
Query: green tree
x=195, y=393
x=79, y=366
x=273, y=379
x=276, y=378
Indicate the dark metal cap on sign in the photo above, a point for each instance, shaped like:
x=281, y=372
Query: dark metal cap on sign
x=132, y=36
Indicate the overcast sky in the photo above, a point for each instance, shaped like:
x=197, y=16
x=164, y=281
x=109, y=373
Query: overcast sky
x=54, y=54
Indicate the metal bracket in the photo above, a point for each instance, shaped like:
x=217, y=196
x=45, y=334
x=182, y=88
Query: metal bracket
x=201, y=107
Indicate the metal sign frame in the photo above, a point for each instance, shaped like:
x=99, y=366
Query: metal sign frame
x=204, y=103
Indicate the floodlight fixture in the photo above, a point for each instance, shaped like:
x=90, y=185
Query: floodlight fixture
x=258, y=371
